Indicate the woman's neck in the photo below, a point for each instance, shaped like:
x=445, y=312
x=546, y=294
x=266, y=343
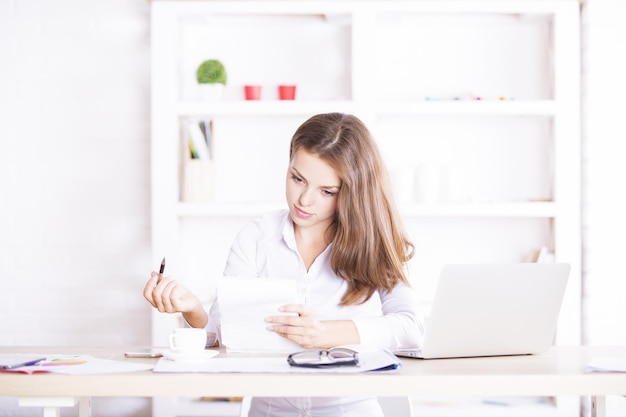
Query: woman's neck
x=311, y=242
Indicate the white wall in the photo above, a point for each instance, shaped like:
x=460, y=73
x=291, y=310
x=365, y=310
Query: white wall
x=74, y=176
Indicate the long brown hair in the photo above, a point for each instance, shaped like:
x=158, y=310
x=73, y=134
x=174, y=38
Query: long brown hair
x=370, y=246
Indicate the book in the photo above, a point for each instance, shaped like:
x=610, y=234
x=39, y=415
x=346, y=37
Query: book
x=207, y=130
x=198, y=141
x=193, y=154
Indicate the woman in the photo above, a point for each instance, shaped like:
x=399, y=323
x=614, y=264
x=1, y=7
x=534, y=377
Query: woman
x=342, y=240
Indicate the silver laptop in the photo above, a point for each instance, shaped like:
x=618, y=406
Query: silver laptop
x=493, y=310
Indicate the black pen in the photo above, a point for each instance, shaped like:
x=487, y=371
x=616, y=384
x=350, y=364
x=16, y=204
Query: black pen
x=162, y=269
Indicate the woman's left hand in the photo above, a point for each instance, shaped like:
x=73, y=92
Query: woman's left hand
x=305, y=329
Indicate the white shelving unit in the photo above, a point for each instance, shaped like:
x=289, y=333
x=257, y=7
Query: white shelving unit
x=485, y=94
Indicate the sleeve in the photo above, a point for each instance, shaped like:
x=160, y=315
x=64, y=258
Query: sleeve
x=399, y=326
x=243, y=255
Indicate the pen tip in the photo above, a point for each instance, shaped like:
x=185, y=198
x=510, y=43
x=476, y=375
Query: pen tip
x=163, y=261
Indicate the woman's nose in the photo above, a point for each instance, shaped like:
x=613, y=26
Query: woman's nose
x=306, y=197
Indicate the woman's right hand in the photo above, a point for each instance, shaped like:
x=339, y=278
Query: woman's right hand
x=168, y=296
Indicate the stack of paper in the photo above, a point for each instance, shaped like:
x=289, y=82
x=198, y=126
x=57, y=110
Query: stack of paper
x=80, y=365
x=369, y=360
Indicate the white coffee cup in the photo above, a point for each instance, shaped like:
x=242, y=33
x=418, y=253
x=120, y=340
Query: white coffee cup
x=187, y=340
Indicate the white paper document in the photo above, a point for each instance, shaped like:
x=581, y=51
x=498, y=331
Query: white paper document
x=82, y=365
x=371, y=360
x=244, y=305
x=607, y=364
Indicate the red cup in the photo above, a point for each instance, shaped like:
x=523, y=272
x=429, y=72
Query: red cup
x=252, y=92
x=287, y=92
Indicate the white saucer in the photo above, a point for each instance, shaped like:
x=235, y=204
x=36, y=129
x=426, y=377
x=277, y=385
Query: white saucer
x=203, y=356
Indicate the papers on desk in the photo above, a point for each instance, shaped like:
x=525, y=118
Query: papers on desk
x=18, y=360
x=244, y=304
x=81, y=365
x=607, y=364
x=369, y=360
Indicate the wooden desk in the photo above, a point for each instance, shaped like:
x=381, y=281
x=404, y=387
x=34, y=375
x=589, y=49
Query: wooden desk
x=560, y=371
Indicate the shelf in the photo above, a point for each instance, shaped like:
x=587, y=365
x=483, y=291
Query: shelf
x=486, y=411
x=499, y=210
x=470, y=108
x=329, y=8
x=440, y=107
x=520, y=210
x=264, y=108
x=507, y=170
x=225, y=209
x=495, y=406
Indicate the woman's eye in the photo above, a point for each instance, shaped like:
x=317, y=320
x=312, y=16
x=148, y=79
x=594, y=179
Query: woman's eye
x=296, y=178
x=329, y=193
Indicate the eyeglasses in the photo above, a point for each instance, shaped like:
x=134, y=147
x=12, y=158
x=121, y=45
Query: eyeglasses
x=313, y=358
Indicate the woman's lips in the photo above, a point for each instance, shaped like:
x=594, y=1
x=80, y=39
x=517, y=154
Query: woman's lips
x=301, y=213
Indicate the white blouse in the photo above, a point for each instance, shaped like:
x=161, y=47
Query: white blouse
x=266, y=247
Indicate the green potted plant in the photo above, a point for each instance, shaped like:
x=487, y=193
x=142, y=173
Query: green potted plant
x=211, y=77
